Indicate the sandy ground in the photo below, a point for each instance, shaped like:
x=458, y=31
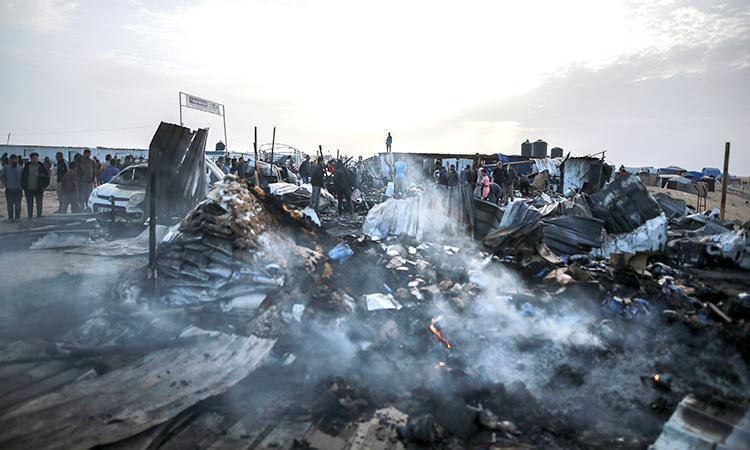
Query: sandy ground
x=49, y=206
x=738, y=208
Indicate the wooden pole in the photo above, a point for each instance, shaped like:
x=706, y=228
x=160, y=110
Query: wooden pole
x=257, y=166
x=320, y=148
x=724, y=182
x=273, y=142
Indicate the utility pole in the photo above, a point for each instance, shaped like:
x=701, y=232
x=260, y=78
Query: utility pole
x=724, y=182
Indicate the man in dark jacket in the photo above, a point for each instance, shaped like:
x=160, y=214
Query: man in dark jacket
x=499, y=174
x=316, y=179
x=342, y=184
x=441, y=174
x=61, y=170
x=304, y=169
x=11, y=178
x=34, y=179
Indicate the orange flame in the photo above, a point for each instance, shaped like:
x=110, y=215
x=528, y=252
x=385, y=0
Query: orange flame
x=440, y=336
x=656, y=377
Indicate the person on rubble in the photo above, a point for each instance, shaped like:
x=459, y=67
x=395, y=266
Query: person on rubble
x=388, y=142
x=11, y=179
x=509, y=183
x=441, y=174
x=499, y=174
x=241, y=167
x=316, y=179
x=69, y=185
x=342, y=185
x=453, y=178
x=496, y=193
x=34, y=179
x=304, y=169
x=523, y=185
x=399, y=178
x=484, y=182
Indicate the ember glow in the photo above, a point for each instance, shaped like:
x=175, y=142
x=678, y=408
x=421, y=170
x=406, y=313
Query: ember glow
x=439, y=336
x=656, y=377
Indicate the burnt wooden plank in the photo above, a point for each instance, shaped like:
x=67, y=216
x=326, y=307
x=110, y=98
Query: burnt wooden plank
x=46, y=386
x=30, y=377
x=129, y=400
x=198, y=435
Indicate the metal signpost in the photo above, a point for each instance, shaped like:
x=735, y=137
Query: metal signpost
x=201, y=104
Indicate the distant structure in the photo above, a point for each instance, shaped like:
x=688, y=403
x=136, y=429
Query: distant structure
x=539, y=149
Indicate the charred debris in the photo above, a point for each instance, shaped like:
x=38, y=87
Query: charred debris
x=611, y=320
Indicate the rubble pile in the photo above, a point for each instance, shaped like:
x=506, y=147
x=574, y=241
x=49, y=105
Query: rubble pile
x=223, y=250
x=567, y=327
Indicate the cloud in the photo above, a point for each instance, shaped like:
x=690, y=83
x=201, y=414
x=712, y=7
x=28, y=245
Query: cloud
x=41, y=16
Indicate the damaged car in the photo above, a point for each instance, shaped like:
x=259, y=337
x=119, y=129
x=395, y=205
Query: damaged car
x=126, y=191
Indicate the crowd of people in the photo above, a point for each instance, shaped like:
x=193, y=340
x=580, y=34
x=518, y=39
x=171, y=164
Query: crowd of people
x=76, y=180
x=497, y=185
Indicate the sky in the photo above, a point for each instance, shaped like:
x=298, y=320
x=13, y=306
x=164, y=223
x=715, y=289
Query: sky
x=652, y=82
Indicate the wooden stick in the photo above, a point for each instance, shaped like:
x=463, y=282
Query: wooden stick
x=255, y=149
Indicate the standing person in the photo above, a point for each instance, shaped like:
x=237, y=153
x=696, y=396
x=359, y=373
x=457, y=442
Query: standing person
x=485, y=183
x=464, y=176
x=233, y=167
x=399, y=179
x=11, y=178
x=304, y=169
x=241, y=167
x=97, y=171
x=342, y=186
x=109, y=172
x=47, y=164
x=4, y=160
x=499, y=174
x=472, y=177
x=34, y=179
x=388, y=142
x=453, y=178
x=104, y=167
x=441, y=174
x=316, y=179
x=61, y=170
x=86, y=177
x=509, y=181
x=70, y=188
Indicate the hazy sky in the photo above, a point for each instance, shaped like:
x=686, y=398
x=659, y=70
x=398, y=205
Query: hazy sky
x=652, y=82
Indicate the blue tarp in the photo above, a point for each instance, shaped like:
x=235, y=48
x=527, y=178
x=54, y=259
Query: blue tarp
x=711, y=172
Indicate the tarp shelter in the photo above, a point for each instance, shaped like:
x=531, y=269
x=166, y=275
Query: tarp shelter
x=680, y=184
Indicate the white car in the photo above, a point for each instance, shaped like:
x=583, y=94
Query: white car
x=128, y=189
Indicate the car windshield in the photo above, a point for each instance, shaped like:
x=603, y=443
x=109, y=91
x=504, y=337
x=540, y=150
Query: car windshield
x=131, y=176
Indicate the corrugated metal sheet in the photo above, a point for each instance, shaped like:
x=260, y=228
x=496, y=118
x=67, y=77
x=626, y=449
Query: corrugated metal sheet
x=708, y=424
